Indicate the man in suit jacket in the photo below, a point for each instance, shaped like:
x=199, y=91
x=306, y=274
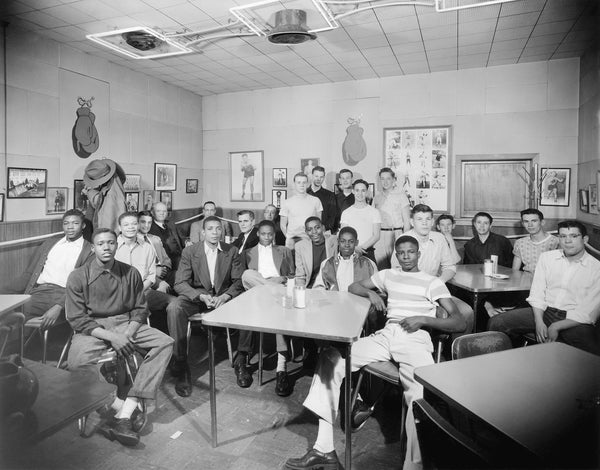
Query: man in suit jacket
x=311, y=253
x=248, y=237
x=167, y=232
x=45, y=278
x=267, y=264
x=209, y=275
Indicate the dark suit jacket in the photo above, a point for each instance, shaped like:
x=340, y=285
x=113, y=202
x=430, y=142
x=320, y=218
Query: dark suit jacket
x=170, y=240
x=282, y=257
x=250, y=243
x=193, y=276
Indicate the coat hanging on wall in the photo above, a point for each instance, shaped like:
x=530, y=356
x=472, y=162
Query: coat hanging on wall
x=103, y=180
x=84, y=134
x=354, y=148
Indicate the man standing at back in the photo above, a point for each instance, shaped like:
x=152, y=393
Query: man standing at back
x=209, y=209
x=295, y=211
x=345, y=196
x=167, y=232
x=327, y=198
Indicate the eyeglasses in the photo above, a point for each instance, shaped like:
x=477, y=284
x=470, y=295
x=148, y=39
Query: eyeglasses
x=570, y=236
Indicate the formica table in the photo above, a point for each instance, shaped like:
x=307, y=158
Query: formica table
x=470, y=278
x=8, y=304
x=329, y=315
x=544, y=398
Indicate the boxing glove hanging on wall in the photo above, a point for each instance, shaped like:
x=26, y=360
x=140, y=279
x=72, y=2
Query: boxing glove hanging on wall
x=354, y=148
x=84, y=134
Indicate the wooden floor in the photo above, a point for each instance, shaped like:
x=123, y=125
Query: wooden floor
x=257, y=429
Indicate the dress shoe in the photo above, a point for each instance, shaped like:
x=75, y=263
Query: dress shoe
x=283, y=387
x=120, y=430
x=177, y=368
x=314, y=459
x=243, y=375
x=360, y=414
x=183, y=387
x=138, y=419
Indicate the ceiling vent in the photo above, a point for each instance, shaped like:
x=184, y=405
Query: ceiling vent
x=141, y=40
x=290, y=28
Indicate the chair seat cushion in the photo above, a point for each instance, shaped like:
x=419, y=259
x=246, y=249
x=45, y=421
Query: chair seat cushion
x=386, y=370
x=196, y=317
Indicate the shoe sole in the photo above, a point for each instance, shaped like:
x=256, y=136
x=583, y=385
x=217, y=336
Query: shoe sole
x=128, y=441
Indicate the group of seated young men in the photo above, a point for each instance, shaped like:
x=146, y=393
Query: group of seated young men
x=108, y=302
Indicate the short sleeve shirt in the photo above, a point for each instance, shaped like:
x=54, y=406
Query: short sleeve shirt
x=362, y=220
x=297, y=209
x=529, y=251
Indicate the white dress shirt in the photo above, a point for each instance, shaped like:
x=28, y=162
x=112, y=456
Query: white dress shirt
x=211, y=258
x=266, y=265
x=61, y=260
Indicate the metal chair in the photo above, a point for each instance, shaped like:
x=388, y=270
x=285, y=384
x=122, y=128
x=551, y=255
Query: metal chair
x=197, y=318
x=11, y=321
x=442, y=445
x=476, y=344
x=35, y=323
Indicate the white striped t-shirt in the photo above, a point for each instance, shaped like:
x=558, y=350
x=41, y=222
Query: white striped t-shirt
x=410, y=293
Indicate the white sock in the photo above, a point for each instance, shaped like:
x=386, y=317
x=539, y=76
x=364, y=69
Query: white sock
x=324, y=442
x=281, y=363
x=128, y=407
x=117, y=404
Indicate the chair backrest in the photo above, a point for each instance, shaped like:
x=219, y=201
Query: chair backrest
x=442, y=445
x=480, y=343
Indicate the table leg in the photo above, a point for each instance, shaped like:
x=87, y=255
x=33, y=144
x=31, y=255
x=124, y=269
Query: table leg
x=213, y=394
x=260, y=358
x=475, y=302
x=347, y=408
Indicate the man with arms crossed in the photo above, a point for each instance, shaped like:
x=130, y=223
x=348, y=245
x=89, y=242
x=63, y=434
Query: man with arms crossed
x=295, y=211
x=106, y=307
x=564, y=296
x=413, y=297
x=345, y=197
x=327, y=198
x=267, y=263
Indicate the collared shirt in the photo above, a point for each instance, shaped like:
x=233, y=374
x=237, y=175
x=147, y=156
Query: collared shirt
x=162, y=259
x=391, y=204
x=95, y=291
x=266, y=265
x=345, y=272
x=246, y=235
x=211, y=258
x=435, y=254
x=139, y=254
x=61, y=260
x=573, y=286
x=495, y=244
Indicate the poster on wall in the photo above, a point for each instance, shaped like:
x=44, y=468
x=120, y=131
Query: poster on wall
x=26, y=183
x=246, y=174
x=555, y=186
x=419, y=157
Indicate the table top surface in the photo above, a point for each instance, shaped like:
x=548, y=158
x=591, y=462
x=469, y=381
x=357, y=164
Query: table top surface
x=471, y=278
x=329, y=315
x=8, y=302
x=63, y=397
x=538, y=396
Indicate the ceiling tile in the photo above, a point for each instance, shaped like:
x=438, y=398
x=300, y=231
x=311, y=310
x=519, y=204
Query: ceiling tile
x=542, y=29
x=404, y=37
x=474, y=27
x=478, y=38
x=548, y=39
x=370, y=42
x=42, y=19
x=440, y=32
x=475, y=49
x=517, y=8
x=509, y=45
x=513, y=33
x=415, y=67
x=69, y=14
x=518, y=21
x=476, y=14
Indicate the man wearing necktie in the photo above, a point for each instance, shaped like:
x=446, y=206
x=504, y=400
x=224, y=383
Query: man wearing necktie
x=248, y=237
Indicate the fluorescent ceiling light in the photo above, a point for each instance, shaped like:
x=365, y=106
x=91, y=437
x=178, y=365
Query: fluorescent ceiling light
x=453, y=5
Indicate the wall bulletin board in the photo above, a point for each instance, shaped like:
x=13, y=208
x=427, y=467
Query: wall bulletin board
x=420, y=158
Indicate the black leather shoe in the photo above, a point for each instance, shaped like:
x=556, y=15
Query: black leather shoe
x=183, y=387
x=177, y=368
x=243, y=375
x=360, y=414
x=120, y=430
x=106, y=412
x=314, y=459
x=138, y=420
x=283, y=387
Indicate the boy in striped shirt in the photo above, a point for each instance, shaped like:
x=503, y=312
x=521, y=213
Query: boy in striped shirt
x=413, y=297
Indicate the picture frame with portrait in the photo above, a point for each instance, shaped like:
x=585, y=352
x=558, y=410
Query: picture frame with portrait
x=149, y=198
x=246, y=176
x=278, y=196
x=584, y=201
x=555, y=186
x=191, y=186
x=280, y=177
x=56, y=200
x=132, y=201
x=26, y=183
x=80, y=199
x=166, y=197
x=165, y=177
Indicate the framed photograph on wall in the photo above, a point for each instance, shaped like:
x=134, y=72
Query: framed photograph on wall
x=584, y=200
x=420, y=157
x=132, y=183
x=80, y=199
x=246, y=176
x=593, y=193
x=26, y=183
x=165, y=177
x=56, y=200
x=150, y=197
x=370, y=194
x=167, y=198
x=555, y=184
x=132, y=201
x=278, y=196
x=191, y=186
x=1, y=207
x=307, y=165
x=280, y=177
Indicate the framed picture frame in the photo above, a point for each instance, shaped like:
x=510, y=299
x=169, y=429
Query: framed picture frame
x=56, y=200
x=150, y=197
x=280, y=177
x=555, y=186
x=370, y=194
x=415, y=154
x=278, y=196
x=80, y=199
x=307, y=165
x=246, y=176
x=132, y=183
x=26, y=183
x=584, y=200
x=165, y=177
x=191, y=186
x=132, y=201
x=1, y=207
x=167, y=198
x=593, y=193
